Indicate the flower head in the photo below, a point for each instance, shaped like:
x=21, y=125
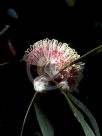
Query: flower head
x=50, y=57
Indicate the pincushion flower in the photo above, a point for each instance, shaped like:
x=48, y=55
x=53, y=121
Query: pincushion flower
x=57, y=62
x=50, y=56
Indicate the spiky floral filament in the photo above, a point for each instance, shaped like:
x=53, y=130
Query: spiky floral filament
x=45, y=52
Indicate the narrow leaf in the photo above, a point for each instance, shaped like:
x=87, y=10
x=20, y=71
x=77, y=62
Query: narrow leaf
x=87, y=130
x=45, y=126
x=87, y=112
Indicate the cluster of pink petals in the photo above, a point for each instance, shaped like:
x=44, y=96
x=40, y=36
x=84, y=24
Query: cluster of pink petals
x=47, y=51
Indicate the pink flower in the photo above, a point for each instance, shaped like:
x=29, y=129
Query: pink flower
x=50, y=57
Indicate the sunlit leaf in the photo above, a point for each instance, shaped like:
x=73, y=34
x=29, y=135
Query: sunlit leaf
x=45, y=126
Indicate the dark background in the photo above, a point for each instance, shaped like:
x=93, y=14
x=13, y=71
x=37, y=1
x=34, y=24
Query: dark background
x=80, y=26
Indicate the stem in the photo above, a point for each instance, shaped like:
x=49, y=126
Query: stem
x=79, y=59
x=2, y=64
x=27, y=112
x=65, y=95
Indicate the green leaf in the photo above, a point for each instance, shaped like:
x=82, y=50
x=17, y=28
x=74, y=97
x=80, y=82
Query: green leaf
x=87, y=130
x=45, y=126
x=87, y=112
x=70, y=3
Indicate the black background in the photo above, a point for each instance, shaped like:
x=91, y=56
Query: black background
x=49, y=19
